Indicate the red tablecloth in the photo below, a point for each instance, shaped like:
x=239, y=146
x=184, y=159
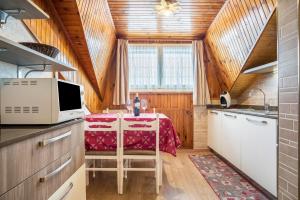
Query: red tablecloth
x=106, y=141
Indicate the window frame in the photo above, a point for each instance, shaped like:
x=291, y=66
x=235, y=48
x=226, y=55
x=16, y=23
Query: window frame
x=160, y=60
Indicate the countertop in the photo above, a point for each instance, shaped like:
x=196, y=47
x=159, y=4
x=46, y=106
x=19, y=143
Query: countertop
x=10, y=134
x=254, y=112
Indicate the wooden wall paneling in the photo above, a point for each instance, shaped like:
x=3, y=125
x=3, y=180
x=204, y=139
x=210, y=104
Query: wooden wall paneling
x=178, y=107
x=50, y=32
x=234, y=33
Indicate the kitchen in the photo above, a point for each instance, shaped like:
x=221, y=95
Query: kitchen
x=218, y=80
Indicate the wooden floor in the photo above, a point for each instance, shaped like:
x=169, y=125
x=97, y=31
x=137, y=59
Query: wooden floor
x=181, y=181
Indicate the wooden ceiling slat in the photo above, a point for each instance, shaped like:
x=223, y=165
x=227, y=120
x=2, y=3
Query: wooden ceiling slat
x=139, y=19
x=89, y=25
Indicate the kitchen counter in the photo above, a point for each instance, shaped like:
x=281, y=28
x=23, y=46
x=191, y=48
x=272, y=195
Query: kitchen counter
x=10, y=134
x=247, y=111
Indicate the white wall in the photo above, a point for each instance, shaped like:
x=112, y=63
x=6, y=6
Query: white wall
x=15, y=30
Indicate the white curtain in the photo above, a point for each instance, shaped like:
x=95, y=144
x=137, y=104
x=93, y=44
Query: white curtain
x=160, y=66
x=121, y=90
x=201, y=95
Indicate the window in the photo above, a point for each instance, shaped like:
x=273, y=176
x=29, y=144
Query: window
x=160, y=66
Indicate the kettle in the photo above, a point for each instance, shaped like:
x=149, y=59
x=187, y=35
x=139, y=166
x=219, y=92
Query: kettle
x=225, y=99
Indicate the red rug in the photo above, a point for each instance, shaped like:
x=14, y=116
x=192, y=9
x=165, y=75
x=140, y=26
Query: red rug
x=226, y=183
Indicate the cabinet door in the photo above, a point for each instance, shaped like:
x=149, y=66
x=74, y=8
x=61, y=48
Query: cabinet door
x=259, y=151
x=231, y=132
x=74, y=188
x=214, y=128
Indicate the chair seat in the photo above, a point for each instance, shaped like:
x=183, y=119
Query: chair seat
x=139, y=152
x=101, y=153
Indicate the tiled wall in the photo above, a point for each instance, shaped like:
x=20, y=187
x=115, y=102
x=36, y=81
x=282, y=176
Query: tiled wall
x=288, y=66
x=268, y=83
x=200, y=127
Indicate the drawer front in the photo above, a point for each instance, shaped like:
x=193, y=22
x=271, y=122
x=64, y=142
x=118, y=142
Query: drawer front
x=74, y=188
x=44, y=183
x=21, y=160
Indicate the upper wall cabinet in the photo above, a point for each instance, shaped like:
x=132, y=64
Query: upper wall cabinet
x=22, y=9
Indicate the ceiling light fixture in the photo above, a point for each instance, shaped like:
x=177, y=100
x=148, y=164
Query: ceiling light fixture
x=167, y=8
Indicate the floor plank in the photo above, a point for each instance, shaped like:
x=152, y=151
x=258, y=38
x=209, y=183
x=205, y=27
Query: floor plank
x=181, y=181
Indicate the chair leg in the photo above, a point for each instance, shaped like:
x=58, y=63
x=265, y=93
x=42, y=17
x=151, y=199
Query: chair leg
x=155, y=170
x=160, y=170
x=94, y=166
x=121, y=176
x=118, y=176
x=87, y=178
x=126, y=166
x=157, y=176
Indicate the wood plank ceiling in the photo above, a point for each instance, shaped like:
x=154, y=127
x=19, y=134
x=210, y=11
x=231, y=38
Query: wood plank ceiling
x=91, y=31
x=234, y=34
x=138, y=19
x=51, y=31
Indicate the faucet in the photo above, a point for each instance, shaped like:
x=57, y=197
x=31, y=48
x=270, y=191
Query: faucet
x=266, y=106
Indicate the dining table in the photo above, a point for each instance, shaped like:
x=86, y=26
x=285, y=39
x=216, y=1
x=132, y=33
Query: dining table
x=133, y=140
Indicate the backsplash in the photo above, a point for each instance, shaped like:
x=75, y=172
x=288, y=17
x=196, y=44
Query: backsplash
x=268, y=83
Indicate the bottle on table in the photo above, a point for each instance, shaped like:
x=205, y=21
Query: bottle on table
x=137, y=105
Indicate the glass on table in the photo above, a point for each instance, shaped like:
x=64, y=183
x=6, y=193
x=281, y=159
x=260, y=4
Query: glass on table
x=144, y=104
x=129, y=105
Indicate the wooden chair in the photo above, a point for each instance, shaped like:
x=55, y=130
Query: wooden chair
x=113, y=127
x=128, y=155
x=114, y=111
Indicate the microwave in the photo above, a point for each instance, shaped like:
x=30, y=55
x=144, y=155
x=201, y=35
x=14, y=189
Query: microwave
x=40, y=101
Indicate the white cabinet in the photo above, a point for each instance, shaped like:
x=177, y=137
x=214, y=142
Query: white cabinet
x=248, y=142
x=259, y=151
x=74, y=188
x=231, y=134
x=214, y=130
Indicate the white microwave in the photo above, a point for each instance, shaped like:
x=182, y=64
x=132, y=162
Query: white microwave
x=40, y=101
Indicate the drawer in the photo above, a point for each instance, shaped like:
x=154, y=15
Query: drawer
x=74, y=188
x=23, y=159
x=46, y=182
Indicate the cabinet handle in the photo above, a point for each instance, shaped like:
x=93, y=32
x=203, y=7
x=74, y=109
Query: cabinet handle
x=56, y=171
x=233, y=116
x=67, y=191
x=256, y=121
x=214, y=112
x=54, y=139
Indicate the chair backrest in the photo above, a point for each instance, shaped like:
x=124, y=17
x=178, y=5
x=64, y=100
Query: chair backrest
x=113, y=127
x=115, y=111
x=153, y=125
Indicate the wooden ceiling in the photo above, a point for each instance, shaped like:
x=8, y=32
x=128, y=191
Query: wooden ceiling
x=234, y=35
x=91, y=33
x=138, y=19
